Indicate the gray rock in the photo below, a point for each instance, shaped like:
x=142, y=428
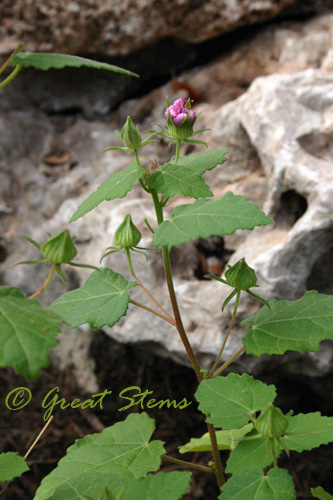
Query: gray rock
x=121, y=27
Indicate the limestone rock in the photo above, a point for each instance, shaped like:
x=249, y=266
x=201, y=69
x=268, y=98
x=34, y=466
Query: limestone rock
x=122, y=26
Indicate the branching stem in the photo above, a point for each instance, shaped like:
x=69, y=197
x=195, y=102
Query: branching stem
x=173, y=299
x=228, y=332
x=45, y=284
x=180, y=327
x=227, y=363
x=167, y=315
x=11, y=76
x=183, y=463
x=216, y=456
x=166, y=318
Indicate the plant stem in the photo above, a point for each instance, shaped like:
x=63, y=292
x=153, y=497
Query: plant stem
x=30, y=449
x=45, y=284
x=148, y=225
x=11, y=76
x=173, y=299
x=216, y=456
x=171, y=321
x=39, y=436
x=228, y=332
x=139, y=165
x=177, y=150
x=137, y=157
x=179, y=325
x=143, y=186
x=227, y=363
x=186, y=464
x=129, y=260
x=16, y=51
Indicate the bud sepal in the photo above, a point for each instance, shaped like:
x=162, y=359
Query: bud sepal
x=271, y=422
x=241, y=277
x=126, y=238
x=180, y=121
x=57, y=250
x=131, y=137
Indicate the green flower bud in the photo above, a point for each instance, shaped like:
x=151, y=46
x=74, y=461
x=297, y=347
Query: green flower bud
x=59, y=249
x=130, y=135
x=127, y=235
x=271, y=422
x=241, y=276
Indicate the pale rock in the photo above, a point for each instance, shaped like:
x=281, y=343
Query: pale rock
x=119, y=27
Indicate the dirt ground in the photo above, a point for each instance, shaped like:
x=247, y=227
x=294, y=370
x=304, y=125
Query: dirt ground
x=120, y=367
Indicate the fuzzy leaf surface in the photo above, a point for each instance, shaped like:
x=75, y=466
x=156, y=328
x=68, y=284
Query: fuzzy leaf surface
x=110, y=459
x=205, y=160
x=230, y=400
x=173, y=179
x=116, y=186
x=290, y=325
x=321, y=494
x=226, y=440
x=11, y=465
x=252, y=450
x=161, y=486
x=205, y=218
x=252, y=484
x=102, y=300
x=27, y=331
x=307, y=431
x=45, y=61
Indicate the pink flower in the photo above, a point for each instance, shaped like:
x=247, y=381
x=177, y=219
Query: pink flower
x=178, y=112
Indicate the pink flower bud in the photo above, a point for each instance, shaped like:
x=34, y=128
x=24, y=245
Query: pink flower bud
x=178, y=112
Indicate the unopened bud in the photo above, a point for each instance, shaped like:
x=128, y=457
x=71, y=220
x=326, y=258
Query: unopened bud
x=130, y=135
x=59, y=249
x=127, y=235
x=271, y=422
x=241, y=276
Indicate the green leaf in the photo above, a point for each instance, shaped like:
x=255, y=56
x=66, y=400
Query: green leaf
x=307, y=431
x=102, y=300
x=226, y=440
x=205, y=160
x=117, y=186
x=173, y=179
x=321, y=494
x=11, y=465
x=205, y=218
x=105, y=495
x=304, y=432
x=252, y=484
x=254, y=450
x=290, y=325
x=161, y=486
x=230, y=400
x=27, y=331
x=119, y=454
x=45, y=61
